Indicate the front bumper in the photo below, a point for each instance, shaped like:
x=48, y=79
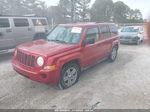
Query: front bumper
x=128, y=41
x=45, y=76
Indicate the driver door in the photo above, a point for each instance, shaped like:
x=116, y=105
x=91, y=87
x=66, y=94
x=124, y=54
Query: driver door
x=91, y=52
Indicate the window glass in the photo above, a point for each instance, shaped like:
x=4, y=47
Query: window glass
x=130, y=29
x=93, y=33
x=66, y=35
x=105, y=31
x=38, y=22
x=114, y=30
x=4, y=22
x=43, y=21
x=21, y=22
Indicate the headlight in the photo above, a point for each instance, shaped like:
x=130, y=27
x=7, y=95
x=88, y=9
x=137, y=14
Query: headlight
x=40, y=61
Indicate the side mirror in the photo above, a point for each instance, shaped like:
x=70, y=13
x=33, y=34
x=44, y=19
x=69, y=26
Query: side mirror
x=89, y=41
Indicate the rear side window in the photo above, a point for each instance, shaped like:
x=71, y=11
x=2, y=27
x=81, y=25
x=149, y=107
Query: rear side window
x=114, y=30
x=43, y=21
x=38, y=22
x=4, y=22
x=105, y=31
x=93, y=33
x=21, y=22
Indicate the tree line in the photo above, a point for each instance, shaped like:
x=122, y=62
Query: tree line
x=74, y=11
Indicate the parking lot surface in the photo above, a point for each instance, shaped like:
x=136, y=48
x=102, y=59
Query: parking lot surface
x=123, y=84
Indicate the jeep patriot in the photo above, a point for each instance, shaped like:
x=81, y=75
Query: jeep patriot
x=69, y=49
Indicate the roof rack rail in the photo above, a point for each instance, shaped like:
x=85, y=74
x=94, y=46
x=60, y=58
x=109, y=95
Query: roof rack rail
x=29, y=15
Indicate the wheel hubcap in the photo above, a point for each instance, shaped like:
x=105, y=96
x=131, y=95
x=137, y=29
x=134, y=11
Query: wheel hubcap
x=70, y=76
x=114, y=53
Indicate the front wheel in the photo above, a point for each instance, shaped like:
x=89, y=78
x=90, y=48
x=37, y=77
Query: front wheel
x=113, y=54
x=69, y=76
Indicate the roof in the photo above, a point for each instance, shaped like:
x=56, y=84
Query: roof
x=132, y=26
x=86, y=24
x=18, y=16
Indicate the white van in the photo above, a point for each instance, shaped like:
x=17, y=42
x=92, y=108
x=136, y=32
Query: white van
x=15, y=30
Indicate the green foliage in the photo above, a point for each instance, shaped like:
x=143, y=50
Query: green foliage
x=83, y=9
x=22, y=7
x=121, y=12
x=135, y=16
x=74, y=11
x=102, y=10
x=107, y=11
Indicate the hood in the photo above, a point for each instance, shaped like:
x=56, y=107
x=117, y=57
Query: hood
x=128, y=34
x=45, y=48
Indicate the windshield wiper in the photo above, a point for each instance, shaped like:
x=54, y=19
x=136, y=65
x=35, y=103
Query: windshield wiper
x=60, y=41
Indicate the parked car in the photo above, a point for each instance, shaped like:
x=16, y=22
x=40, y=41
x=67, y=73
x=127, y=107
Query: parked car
x=132, y=35
x=15, y=30
x=69, y=49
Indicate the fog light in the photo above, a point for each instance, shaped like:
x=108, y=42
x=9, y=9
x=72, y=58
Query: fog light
x=50, y=67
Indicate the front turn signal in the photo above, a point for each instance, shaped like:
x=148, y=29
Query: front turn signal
x=50, y=67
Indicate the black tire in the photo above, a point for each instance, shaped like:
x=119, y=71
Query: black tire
x=113, y=54
x=62, y=84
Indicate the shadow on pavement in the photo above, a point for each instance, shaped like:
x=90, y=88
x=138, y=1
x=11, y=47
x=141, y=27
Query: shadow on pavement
x=6, y=56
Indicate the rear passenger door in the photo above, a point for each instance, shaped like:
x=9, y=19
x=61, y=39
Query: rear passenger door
x=106, y=40
x=6, y=39
x=22, y=30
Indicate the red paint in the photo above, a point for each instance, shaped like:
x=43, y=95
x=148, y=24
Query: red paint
x=59, y=54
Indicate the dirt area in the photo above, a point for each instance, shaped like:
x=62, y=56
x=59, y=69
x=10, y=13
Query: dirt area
x=123, y=84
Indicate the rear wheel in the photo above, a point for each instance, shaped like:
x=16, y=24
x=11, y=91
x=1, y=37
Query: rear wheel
x=113, y=54
x=69, y=76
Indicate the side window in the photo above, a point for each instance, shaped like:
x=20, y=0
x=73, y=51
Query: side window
x=4, y=22
x=43, y=21
x=21, y=22
x=93, y=33
x=38, y=22
x=35, y=21
x=105, y=31
x=114, y=30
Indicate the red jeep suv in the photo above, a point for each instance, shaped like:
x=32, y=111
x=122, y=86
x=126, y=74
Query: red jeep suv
x=69, y=49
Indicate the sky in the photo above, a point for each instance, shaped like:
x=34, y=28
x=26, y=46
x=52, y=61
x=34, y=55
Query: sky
x=142, y=5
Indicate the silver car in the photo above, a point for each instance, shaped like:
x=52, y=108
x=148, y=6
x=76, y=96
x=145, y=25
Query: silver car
x=132, y=35
x=15, y=30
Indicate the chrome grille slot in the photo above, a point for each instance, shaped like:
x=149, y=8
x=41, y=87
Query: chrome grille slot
x=26, y=59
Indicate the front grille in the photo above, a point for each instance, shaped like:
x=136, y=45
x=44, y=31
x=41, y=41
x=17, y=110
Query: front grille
x=123, y=37
x=25, y=59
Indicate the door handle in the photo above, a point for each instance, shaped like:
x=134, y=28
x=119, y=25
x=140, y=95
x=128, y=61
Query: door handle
x=8, y=30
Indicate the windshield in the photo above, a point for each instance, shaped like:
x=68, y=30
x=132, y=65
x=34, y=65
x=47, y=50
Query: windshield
x=67, y=35
x=130, y=29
